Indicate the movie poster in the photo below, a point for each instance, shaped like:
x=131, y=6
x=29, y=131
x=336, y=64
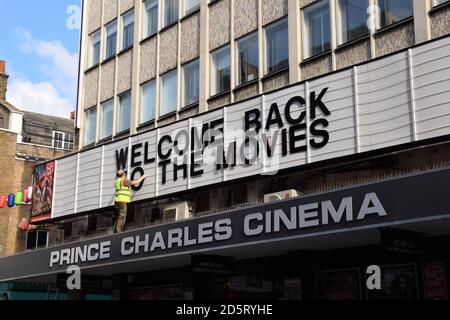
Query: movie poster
x=292, y=289
x=397, y=283
x=43, y=177
x=434, y=281
x=339, y=285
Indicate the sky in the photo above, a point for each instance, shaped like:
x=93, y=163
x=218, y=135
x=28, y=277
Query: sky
x=39, y=41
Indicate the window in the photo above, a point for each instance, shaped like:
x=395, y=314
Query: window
x=170, y=11
x=220, y=70
x=277, y=46
x=148, y=102
x=111, y=39
x=90, y=126
x=123, y=120
x=247, y=55
x=191, y=80
x=106, y=122
x=128, y=29
x=392, y=11
x=438, y=2
x=62, y=140
x=169, y=92
x=318, y=29
x=191, y=5
x=95, y=48
x=37, y=239
x=353, y=19
x=150, y=23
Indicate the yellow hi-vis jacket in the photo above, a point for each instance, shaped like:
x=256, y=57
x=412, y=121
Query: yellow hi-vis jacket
x=123, y=194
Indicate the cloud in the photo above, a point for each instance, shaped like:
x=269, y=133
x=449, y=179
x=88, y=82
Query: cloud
x=55, y=94
x=40, y=97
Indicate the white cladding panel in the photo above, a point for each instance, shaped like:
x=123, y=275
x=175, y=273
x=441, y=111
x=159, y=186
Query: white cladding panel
x=65, y=183
x=394, y=100
x=89, y=177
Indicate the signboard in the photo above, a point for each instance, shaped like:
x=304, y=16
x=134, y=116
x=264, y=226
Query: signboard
x=434, y=281
x=397, y=283
x=421, y=197
x=366, y=108
x=42, y=199
x=401, y=242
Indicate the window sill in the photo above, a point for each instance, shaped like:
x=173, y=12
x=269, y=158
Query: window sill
x=439, y=8
x=393, y=26
x=148, y=38
x=104, y=140
x=246, y=84
x=170, y=25
x=315, y=57
x=352, y=42
x=218, y=95
x=190, y=13
x=212, y=2
x=190, y=106
x=91, y=68
x=274, y=73
x=88, y=147
x=123, y=51
x=121, y=134
x=146, y=124
x=108, y=59
x=167, y=115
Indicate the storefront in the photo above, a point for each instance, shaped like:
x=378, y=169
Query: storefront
x=313, y=247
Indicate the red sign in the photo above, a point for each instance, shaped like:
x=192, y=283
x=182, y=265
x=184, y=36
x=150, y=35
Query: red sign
x=434, y=281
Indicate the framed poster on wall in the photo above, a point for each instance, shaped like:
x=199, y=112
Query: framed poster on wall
x=42, y=197
x=434, y=281
x=338, y=284
x=398, y=282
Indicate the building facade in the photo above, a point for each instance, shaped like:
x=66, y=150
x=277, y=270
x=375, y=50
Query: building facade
x=288, y=146
x=26, y=139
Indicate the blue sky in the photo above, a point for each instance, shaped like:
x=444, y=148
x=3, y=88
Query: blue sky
x=40, y=51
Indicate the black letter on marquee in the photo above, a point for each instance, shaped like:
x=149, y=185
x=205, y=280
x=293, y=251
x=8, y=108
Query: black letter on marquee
x=160, y=153
x=147, y=160
x=293, y=138
x=284, y=146
x=121, y=159
x=287, y=112
x=177, y=168
x=277, y=120
x=133, y=177
x=318, y=103
x=163, y=165
x=320, y=133
x=136, y=154
x=196, y=164
x=249, y=123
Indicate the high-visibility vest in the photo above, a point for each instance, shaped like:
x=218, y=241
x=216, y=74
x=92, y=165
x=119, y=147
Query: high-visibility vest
x=123, y=194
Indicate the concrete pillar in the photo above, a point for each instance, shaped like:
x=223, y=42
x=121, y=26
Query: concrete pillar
x=422, y=27
x=295, y=48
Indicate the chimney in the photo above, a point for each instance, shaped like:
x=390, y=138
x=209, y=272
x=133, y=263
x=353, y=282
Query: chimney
x=3, y=80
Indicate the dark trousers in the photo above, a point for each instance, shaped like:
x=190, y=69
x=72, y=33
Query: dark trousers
x=121, y=210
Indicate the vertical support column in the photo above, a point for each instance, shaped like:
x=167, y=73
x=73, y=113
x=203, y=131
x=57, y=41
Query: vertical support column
x=356, y=102
x=99, y=84
x=204, y=56
x=158, y=55
x=233, y=59
x=308, y=120
x=295, y=48
x=102, y=170
x=412, y=96
x=333, y=23
x=116, y=70
x=261, y=48
x=135, y=89
x=422, y=26
x=82, y=61
x=179, y=71
x=373, y=12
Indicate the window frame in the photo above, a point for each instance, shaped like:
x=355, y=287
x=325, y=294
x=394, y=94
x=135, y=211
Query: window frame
x=186, y=11
x=213, y=72
x=183, y=88
x=307, y=46
x=146, y=21
x=123, y=17
x=380, y=16
x=437, y=3
x=62, y=140
x=119, y=108
x=266, y=46
x=163, y=12
x=92, y=46
x=106, y=57
x=161, y=92
x=147, y=84
x=91, y=111
x=251, y=36
x=101, y=137
x=342, y=20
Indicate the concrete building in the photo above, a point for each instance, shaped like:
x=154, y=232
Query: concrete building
x=288, y=146
x=26, y=138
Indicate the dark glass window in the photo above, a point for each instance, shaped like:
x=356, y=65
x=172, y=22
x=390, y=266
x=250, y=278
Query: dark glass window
x=354, y=17
x=392, y=11
x=277, y=46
